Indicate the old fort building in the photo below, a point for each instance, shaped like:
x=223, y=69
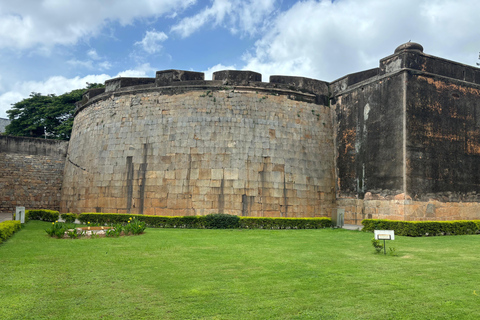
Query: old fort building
x=401, y=141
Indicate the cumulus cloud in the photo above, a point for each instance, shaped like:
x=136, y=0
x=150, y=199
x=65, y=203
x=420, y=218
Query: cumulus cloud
x=30, y=23
x=209, y=72
x=92, y=53
x=246, y=16
x=326, y=40
x=105, y=65
x=143, y=70
x=151, y=43
x=79, y=63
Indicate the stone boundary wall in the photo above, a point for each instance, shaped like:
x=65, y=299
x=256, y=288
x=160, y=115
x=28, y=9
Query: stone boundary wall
x=31, y=173
x=407, y=210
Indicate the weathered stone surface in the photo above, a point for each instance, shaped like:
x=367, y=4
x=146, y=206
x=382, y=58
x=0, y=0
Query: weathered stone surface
x=117, y=83
x=167, y=77
x=31, y=173
x=235, y=77
x=410, y=132
x=196, y=153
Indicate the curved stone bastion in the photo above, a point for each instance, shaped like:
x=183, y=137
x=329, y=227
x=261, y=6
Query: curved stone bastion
x=179, y=145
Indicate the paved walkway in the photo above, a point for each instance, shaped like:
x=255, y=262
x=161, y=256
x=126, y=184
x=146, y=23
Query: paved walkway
x=5, y=216
x=352, y=227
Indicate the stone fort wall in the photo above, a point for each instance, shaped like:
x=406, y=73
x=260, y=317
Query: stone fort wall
x=31, y=173
x=179, y=145
x=408, y=139
x=401, y=141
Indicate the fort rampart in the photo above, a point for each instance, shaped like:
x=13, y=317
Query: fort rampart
x=401, y=141
x=180, y=145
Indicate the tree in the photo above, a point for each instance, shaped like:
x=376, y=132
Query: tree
x=47, y=116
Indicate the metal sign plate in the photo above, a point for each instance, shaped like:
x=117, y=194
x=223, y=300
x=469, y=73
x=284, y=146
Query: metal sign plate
x=384, y=234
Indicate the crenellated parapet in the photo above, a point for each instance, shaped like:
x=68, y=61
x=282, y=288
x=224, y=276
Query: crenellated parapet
x=178, y=81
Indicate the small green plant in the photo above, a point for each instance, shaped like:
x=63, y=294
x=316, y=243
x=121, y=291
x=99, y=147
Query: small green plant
x=134, y=226
x=207, y=94
x=393, y=251
x=377, y=245
x=57, y=229
x=115, y=231
x=72, y=233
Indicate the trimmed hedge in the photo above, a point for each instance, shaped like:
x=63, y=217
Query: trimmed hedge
x=42, y=214
x=221, y=221
x=69, y=217
x=201, y=222
x=8, y=228
x=284, y=223
x=423, y=228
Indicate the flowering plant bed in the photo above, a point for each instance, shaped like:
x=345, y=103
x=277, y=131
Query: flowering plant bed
x=62, y=230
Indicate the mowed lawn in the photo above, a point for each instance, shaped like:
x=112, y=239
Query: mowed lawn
x=238, y=274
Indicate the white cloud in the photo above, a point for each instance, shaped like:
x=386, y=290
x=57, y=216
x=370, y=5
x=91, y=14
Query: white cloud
x=209, y=72
x=246, y=16
x=144, y=70
x=151, y=42
x=79, y=63
x=92, y=53
x=105, y=65
x=327, y=40
x=30, y=23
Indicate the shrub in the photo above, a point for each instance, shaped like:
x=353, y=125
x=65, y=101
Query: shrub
x=42, y=214
x=8, y=228
x=69, y=217
x=423, y=228
x=377, y=245
x=221, y=221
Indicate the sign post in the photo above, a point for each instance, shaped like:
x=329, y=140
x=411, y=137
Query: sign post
x=20, y=214
x=384, y=235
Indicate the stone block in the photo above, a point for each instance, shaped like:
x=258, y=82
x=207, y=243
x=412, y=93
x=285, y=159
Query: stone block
x=167, y=77
x=234, y=77
x=231, y=173
x=217, y=174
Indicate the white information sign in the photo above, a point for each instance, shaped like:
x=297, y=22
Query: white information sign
x=384, y=234
x=20, y=214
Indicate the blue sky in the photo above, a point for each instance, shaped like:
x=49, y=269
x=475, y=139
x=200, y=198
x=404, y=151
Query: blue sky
x=55, y=46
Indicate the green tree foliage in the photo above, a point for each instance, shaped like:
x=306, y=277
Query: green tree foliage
x=45, y=116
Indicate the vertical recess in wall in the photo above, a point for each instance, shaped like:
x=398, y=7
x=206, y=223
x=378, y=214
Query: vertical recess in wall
x=142, y=175
x=404, y=103
x=244, y=205
x=129, y=183
x=221, y=198
x=285, y=203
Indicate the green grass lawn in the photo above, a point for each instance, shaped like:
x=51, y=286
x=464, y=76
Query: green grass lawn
x=238, y=274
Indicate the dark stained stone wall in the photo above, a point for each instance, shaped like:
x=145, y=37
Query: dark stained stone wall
x=443, y=148
x=369, y=139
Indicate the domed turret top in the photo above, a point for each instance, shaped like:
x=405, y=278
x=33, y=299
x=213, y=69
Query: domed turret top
x=409, y=46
